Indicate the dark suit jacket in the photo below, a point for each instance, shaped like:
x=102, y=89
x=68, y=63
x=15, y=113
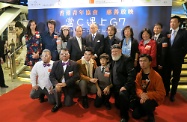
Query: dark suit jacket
x=57, y=72
x=97, y=45
x=125, y=73
x=107, y=44
x=134, y=48
x=178, y=50
x=162, y=51
x=74, y=49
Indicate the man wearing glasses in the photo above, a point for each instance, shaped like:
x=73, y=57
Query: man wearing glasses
x=41, y=85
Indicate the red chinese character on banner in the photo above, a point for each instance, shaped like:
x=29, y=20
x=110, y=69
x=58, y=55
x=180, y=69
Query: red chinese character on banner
x=74, y=12
x=81, y=12
x=109, y=12
x=116, y=11
x=88, y=12
x=130, y=11
x=62, y=13
x=95, y=12
x=68, y=13
x=123, y=11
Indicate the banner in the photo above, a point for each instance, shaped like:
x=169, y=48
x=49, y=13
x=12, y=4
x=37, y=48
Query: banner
x=138, y=17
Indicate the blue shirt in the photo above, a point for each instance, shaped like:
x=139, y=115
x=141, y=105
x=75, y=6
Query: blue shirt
x=126, y=48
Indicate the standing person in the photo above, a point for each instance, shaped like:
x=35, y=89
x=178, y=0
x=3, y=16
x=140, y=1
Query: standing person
x=2, y=80
x=122, y=76
x=87, y=67
x=33, y=43
x=148, y=46
x=162, y=49
x=41, y=85
x=103, y=84
x=63, y=76
x=49, y=39
x=65, y=35
x=20, y=29
x=96, y=41
x=149, y=88
x=177, y=52
x=76, y=45
x=110, y=40
x=129, y=44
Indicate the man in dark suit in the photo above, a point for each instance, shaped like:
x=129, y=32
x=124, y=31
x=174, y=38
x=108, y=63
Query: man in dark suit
x=122, y=76
x=76, y=45
x=162, y=49
x=110, y=39
x=96, y=41
x=2, y=80
x=176, y=54
x=63, y=76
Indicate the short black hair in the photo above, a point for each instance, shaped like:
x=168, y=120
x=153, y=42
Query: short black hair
x=89, y=49
x=51, y=21
x=104, y=55
x=159, y=24
x=65, y=49
x=146, y=30
x=116, y=46
x=176, y=17
x=146, y=55
x=113, y=28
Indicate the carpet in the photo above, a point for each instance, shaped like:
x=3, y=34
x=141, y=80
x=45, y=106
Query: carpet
x=17, y=106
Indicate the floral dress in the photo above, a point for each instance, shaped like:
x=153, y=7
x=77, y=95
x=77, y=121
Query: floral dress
x=34, y=45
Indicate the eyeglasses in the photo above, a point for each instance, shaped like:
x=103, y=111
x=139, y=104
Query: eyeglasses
x=64, y=54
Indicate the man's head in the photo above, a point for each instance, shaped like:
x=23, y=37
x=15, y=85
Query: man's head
x=46, y=56
x=111, y=30
x=116, y=52
x=88, y=53
x=175, y=22
x=104, y=59
x=78, y=31
x=51, y=24
x=157, y=28
x=145, y=61
x=93, y=28
x=64, y=54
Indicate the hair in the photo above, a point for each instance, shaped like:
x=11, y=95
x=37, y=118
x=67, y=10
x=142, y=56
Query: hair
x=29, y=33
x=131, y=30
x=51, y=21
x=65, y=39
x=20, y=26
x=95, y=24
x=47, y=50
x=89, y=49
x=116, y=46
x=65, y=49
x=78, y=27
x=146, y=30
x=147, y=56
x=113, y=28
x=176, y=17
x=159, y=24
x=104, y=55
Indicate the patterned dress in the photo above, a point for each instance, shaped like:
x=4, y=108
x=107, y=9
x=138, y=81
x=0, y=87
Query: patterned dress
x=34, y=45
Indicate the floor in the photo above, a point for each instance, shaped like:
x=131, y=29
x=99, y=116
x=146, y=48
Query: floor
x=13, y=83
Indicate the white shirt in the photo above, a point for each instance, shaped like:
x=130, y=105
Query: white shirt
x=79, y=42
x=43, y=75
x=156, y=36
x=176, y=30
x=64, y=67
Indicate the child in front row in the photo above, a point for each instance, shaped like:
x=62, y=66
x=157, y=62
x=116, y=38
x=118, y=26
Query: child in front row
x=103, y=84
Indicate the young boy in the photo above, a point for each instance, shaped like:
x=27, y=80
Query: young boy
x=103, y=84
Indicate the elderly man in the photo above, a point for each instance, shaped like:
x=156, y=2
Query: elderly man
x=41, y=85
x=63, y=76
x=122, y=76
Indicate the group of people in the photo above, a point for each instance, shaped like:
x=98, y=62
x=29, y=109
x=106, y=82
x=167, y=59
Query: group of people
x=136, y=74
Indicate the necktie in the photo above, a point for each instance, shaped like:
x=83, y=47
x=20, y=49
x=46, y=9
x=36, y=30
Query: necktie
x=155, y=38
x=65, y=63
x=93, y=37
x=103, y=70
x=45, y=64
x=172, y=37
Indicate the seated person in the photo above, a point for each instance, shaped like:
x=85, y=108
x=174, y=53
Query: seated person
x=63, y=76
x=149, y=89
x=87, y=67
x=41, y=84
x=103, y=84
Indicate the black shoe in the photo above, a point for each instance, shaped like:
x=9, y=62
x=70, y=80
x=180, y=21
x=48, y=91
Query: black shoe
x=4, y=86
x=124, y=120
x=172, y=98
x=108, y=106
x=85, y=102
x=56, y=107
x=151, y=118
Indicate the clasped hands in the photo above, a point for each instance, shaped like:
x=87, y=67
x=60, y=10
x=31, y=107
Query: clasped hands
x=59, y=86
x=143, y=97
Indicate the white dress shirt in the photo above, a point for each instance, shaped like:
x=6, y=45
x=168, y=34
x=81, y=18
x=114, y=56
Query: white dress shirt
x=79, y=42
x=64, y=67
x=43, y=75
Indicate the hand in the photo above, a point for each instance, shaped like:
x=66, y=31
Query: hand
x=93, y=80
x=99, y=93
x=93, y=57
x=106, y=90
x=143, y=97
x=51, y=90
x=1, y=59
x=135, y=63
x=159, y=67
x=122, y=89
x=35, y=87
x=35, y=55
